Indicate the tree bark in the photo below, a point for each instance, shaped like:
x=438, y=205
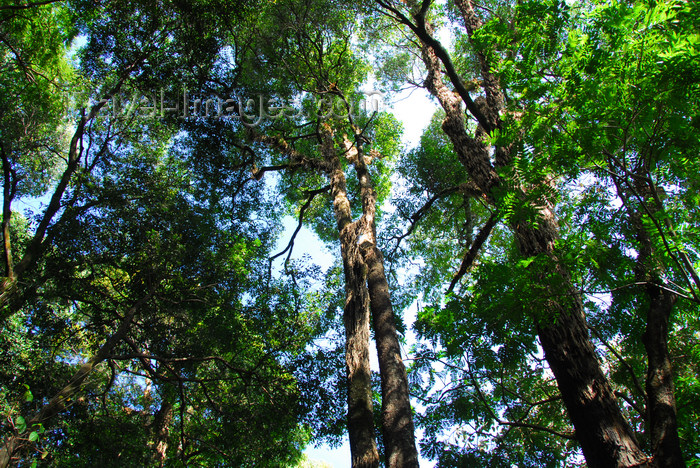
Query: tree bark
x=661, y=407
x=363, y=262
x=397, y=417
x=161, y=425
x=356, y=318
x=606, y=438
x=9, y=189
x=660, y=389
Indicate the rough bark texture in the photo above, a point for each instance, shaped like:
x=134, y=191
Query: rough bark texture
x=397, y=417
x=161, y=426
x=9, y=188
x=661, y=417
x=663, y=425
x=360, y=249
x=605, y=436
x=365, y=284
x=356, y=318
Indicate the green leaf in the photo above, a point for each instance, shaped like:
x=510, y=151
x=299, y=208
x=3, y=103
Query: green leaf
x=20, y=424
x=33, y=437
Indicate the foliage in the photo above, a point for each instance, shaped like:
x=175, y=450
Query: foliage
x=227, y=361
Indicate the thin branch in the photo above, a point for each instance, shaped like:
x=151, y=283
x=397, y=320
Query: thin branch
x=625, y=364
x=466, y=187
x=311, y=195
x=28, y=5
x=418, y=215
x=568, y=436
x=258, y=173
x=281, y=145
x=60, y=401
x=637, y=283
x=687, y=267
x=514, y=423
x=180, y=360
x=469, y=258
x=631, y=403
x=37, y=245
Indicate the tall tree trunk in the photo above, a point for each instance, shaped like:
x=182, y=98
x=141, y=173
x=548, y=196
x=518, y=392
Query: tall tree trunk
x=660, y=389
x=356, y=318
x=606, y=438
x=161, y=425
x=9, y=189
x=360, y=252
x=661, y=407
x=397, y=417
x=8, y=284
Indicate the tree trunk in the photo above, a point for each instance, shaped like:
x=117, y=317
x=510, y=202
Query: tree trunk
x=663, y=426
x=9, y=189
x=397, y=417
x=363, y=262
x=161, y=425
x=356, y=318
x=605, y=436
x=661, y=400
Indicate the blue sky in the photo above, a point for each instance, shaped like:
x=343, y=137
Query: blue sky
x=414, y=109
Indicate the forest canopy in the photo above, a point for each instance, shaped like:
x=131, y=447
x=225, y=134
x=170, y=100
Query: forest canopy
x=544, y=232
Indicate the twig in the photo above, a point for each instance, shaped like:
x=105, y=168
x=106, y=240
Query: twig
x=622, y=361
x=469, y=258
x=311, y=195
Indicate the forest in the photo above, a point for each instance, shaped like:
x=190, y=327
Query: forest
x=540, y=245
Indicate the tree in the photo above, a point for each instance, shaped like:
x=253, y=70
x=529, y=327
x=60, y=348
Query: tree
x=137, y=271
x=324, y=67
x=558, y=176
x=511, y=48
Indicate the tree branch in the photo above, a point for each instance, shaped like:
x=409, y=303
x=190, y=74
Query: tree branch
x=36, y=245
x=423, y=30
x=28, y=5
x=311, y=195
x=473, y=251
x=624, y=363
x=60, y=401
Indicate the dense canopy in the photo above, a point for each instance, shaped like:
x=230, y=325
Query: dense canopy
x=544, y=233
